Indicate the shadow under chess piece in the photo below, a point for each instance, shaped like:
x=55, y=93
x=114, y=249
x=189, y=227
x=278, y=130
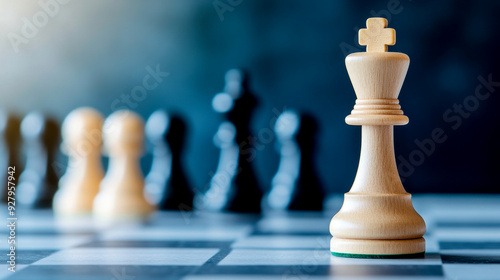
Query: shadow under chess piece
x=121, y=192
x=296, y=185
x=82, y=142
x=10, y=140
x=234, y=186
x=166, y=183
x=38, y=182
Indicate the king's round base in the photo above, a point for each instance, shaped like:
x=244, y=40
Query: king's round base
x=377, y=249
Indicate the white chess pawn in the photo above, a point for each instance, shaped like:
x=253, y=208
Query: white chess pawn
x=121, y=194
x=82, y=141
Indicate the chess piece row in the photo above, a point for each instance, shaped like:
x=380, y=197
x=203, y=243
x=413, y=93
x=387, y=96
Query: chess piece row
x=119, y=194
x=234, y=186
x=84, y=188
x=124, y=192
x=40, y=135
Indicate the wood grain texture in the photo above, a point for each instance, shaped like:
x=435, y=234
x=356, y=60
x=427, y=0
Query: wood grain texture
x=378, y=247
x=376, y=36
x=377, y=217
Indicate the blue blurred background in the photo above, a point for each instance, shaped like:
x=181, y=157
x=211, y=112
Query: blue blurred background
x=59, y=55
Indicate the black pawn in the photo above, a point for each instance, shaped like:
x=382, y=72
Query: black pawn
x=296, y=185
x=166, y=184
x=38, y=182
x=234, y=186
x=9, y=150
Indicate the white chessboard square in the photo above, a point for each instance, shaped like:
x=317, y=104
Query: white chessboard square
x=308, y=277
x=178, y=234
x=467, y=234
x=129, y=256
x=5, y=273
x=293, y=225
x=431, y=244
x=472, y=271
x=47, y=242
x=472, y=252
x=284, y=242
x=277, y=257
x=42, y=221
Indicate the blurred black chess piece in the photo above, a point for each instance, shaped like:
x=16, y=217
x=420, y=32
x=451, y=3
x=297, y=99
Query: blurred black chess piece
x=166, y=183
x=10, y=140
x=296, y=186
x=234, y=186
x=38, y=182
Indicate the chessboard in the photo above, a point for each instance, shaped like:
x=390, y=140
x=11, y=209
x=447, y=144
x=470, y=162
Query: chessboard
x=462, y=242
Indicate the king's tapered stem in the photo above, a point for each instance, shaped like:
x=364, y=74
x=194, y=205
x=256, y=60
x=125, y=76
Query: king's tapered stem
x=377, y=171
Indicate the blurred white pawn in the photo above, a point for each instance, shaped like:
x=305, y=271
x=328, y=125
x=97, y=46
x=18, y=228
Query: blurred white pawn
x=121, y=195
x=82, y=142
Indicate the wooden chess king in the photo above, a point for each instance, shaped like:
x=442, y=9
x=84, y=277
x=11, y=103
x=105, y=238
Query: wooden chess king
x=377, y=218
